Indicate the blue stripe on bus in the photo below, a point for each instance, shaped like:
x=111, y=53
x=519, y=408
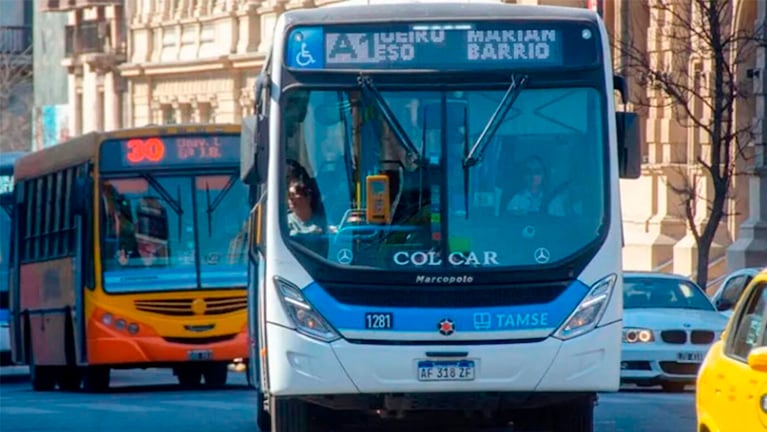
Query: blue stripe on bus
x=5, y=315
x=472, y=319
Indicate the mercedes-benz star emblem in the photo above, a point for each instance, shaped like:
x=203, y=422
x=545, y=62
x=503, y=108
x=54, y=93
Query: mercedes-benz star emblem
x=344, y=256
x=446, y=327
x=542, y=255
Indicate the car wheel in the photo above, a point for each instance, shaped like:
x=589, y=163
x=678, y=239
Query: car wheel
x=673, y=387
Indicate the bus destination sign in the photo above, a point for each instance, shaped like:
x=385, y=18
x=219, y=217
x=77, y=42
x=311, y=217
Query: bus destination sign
x=476, y=46
x=170, y=151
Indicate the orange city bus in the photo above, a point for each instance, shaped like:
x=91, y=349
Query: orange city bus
x=130, y=255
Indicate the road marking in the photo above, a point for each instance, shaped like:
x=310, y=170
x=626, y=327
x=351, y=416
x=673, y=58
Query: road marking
x=211, y=404
x=25, y=410
x=114, y=407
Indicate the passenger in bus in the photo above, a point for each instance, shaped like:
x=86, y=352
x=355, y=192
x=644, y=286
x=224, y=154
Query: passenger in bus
x=536, y=194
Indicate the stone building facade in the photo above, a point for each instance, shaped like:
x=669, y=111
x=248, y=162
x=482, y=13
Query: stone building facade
x=196, y=61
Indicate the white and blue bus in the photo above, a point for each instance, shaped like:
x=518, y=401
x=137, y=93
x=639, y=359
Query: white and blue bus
x=436, y=223
x=7, y=161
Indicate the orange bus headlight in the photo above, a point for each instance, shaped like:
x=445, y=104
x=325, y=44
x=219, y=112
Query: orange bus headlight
x=119, y=324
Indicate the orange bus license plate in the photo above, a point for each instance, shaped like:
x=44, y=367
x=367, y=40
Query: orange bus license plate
x=200, y=354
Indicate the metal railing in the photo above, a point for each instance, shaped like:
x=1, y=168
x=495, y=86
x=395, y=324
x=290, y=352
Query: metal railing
x=15, y=39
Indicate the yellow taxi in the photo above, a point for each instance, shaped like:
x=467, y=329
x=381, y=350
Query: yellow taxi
x=731, y=393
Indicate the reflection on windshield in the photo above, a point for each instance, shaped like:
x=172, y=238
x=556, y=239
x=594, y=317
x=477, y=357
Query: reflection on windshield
x=357, y=195
x=151, y=235
x=663, y=293
x=222, y=203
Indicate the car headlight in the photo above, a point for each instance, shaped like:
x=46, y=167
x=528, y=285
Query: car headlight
x=589, y=311
x=637, y=335
x=306, y=319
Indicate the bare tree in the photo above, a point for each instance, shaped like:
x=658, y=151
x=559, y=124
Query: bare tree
x=698, y=75
x=16, y=100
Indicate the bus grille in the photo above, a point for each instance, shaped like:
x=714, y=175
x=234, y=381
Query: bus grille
x=192, y=307
x=444, y=296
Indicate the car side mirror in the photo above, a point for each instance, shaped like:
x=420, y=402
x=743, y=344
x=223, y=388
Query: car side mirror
x=757, y=359
x=723, y=305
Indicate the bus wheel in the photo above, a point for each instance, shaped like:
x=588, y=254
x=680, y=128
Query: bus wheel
x=289, y=415
x=215, y=374
x=43, y=378
x=96, y=379
x=576, y=416
x=263, y=420
x=188, y=376
x=69, y=378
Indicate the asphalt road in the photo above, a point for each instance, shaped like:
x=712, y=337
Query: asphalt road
x=150, y=401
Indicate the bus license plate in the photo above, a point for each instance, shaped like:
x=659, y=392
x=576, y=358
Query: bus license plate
x=446, y=370
x=200, y=355
x=694, y=357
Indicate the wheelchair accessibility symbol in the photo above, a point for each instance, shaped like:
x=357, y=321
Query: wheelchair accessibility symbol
x=304, y=57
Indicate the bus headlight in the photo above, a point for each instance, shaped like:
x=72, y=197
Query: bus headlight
x=590, y=310
x=306, y=319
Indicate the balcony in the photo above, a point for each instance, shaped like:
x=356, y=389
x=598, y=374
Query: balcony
x=90, y=37
x=16, y=40
x=56, y=5
x=65, y=5
x=89, y=3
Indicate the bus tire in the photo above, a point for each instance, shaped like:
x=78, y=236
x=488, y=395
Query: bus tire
x=263, y=419
x=96, y=379
x=70, y=378
x=216, y=374
x=289, y=415
x=43, y=378
x=575, y=416
x=188, y=376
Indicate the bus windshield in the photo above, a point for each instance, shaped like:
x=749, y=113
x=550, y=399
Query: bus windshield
x=535, y=194
x=159, y=230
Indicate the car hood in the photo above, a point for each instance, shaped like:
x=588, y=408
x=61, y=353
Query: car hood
x=660, y=319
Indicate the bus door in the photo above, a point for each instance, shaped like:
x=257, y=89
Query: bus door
x=256, y=288
x=83, y=210
x=9, y=202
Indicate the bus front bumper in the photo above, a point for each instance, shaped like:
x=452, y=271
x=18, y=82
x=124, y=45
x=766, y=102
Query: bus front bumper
x=301, y=366
x=110, y=346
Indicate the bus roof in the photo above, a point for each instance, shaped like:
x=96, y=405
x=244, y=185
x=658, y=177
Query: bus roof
x=7, y=161
x=83, y=148
x=353, y=11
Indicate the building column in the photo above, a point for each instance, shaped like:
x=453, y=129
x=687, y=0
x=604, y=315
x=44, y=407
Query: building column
x=750, y=249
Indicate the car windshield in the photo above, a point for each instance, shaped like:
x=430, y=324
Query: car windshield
x=392, y=190
x=663, y=293
x=156, y=228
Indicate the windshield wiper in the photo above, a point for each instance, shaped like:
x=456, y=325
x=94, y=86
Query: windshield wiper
x=216, y=201
x=175, y=204
x=478, y=149
x=369, y=90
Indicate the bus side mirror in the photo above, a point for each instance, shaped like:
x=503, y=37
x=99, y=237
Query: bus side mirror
x=254, y=149
x=629, y=149
x=254, y=146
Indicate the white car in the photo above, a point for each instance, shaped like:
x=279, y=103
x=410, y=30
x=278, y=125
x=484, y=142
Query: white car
x=726, y=297
x=669, y=325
